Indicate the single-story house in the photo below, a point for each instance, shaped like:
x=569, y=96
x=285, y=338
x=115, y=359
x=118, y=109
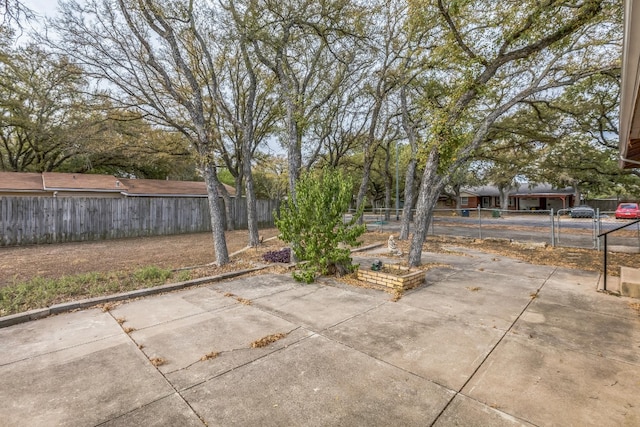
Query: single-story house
x=55, y=184
x=538, y=197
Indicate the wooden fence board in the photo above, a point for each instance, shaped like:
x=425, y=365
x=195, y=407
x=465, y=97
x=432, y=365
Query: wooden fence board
x=35, y=220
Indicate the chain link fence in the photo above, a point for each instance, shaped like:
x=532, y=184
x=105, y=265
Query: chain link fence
x=553, y=228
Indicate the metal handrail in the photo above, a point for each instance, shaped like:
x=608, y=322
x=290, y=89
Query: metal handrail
x=605, y=234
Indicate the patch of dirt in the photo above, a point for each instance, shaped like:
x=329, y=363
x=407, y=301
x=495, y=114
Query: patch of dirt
x=127, y=255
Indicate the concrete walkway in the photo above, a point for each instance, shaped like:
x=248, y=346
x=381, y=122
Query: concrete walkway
x=487, y=341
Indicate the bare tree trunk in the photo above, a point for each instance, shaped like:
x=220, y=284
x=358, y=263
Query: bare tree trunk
x=228, y=207
x=247, y=152
x=252, y=211
x=387, y=183
x=456, y=194
x=430, y=189
x=293, y=149
x=364, y=185
x=504, y=198
x=238, y=200
x=410, y=175
x=217, y=228
x=408, y=199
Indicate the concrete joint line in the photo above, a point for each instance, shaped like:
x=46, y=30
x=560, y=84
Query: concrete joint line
x=59, y=350
x=473, y=374
x=160, y=372
x=352, y=317
x=251, y=361
x=233, y=350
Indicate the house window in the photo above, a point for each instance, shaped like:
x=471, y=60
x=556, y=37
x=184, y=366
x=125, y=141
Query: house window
x=464, y=201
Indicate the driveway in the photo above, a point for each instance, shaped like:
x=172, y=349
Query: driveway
x=487, y=340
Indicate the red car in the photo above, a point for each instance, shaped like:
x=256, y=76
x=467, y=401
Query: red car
x=627, y=211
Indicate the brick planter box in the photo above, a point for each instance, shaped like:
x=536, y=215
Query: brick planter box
x=406, y=278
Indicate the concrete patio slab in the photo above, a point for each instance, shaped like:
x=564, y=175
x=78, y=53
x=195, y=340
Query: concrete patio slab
x=571, y=276
x=480, y=307
x=503, y=284
x=201, y=370
x=318, y=382
x=184, y=342
x=588, y=300
x=440, y=348
x=140, y=314
x=172, y=410
x=440, y=274
x=83, y=385
x=256, y=286
x=31, y=339
x=515, y=268
x=300, y=305
x=466, y=412
x=583, y=331
x=546, y=385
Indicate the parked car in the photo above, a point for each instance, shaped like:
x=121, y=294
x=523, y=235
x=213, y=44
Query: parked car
x=582, y=211
x=627, y=211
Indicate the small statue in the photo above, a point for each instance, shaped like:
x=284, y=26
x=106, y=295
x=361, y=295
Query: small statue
x=393, y=248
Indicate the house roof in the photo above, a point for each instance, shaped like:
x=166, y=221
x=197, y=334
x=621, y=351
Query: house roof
x=629, y=142
x=540, y=190
x=20, y=181
x=483, y=190
x=522, y=190
x=81, y=182
x=159, y=188
x=88, y=183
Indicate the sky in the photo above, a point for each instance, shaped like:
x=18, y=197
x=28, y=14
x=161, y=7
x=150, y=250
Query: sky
x=42, y=7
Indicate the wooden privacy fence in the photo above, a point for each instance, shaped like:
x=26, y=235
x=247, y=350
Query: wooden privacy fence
x=32, y=220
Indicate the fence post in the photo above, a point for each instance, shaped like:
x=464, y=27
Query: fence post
x=604, y=284
x=553, y=230
x=597, y=220
x=479, y=223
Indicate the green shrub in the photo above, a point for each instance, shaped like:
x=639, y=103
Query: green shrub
x=315, y=228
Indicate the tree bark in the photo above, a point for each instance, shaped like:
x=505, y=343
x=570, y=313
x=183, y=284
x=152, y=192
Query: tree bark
x=294, y=154
x=430, y=189
x=217, y=228
x=504, y=198
x=228, y=207
x=248, y=142
x=387, y=184
x=410, y=176
x=364, y=185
